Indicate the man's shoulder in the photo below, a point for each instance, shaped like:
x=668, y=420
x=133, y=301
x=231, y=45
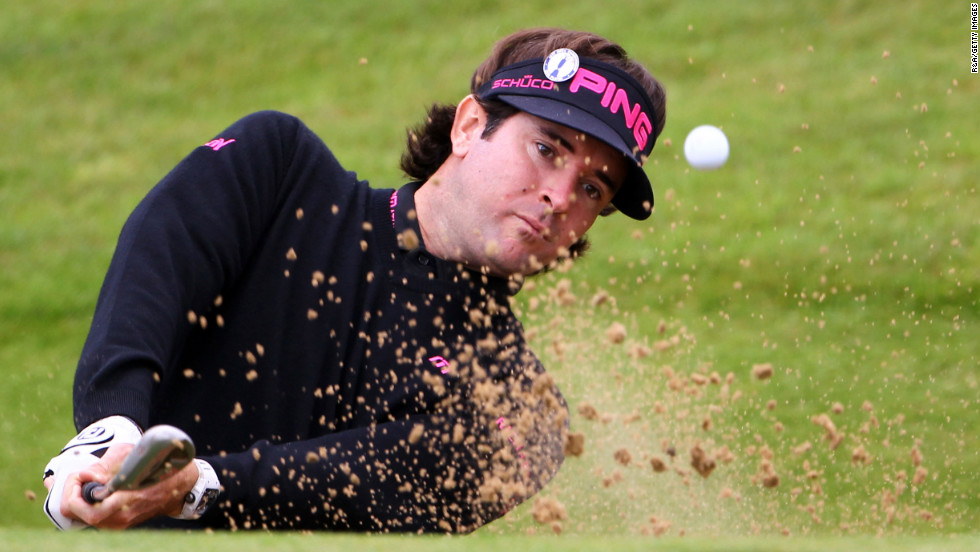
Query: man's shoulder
x=285, y=137
x=271, y=116
x=269, y=121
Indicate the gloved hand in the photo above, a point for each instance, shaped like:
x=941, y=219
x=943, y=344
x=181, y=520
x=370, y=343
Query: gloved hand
x=84, y=450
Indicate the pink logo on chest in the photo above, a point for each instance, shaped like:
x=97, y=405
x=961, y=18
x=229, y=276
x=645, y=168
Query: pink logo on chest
x=441, y=363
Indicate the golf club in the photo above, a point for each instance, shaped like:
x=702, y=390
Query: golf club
x=161, y=451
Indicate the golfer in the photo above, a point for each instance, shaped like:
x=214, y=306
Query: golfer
x=346, y=357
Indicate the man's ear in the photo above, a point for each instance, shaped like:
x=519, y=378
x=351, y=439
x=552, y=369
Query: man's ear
x=468, y=125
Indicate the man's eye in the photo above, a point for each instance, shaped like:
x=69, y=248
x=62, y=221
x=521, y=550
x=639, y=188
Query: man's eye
x=592, y=191
x=545, y=150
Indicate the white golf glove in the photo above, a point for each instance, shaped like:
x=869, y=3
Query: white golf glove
x=81, y=452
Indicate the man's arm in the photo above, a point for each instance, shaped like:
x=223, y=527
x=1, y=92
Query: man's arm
x=445, y=472
x=185, y=241
x=448, y=472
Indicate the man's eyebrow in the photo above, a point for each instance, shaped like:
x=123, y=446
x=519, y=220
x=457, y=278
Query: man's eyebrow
x=600, y=173
x=559, y=138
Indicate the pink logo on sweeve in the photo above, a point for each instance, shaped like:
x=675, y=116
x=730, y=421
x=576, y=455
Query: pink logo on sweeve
x=218, y=143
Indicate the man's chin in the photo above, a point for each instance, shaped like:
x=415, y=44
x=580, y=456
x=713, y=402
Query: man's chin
x=516, y=258
x=528, y=266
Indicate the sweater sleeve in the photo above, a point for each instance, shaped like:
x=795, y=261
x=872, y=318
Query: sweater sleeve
x=190, y=235
x=448, y=472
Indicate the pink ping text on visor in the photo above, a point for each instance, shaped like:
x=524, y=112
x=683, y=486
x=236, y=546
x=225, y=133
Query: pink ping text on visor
x=600, y=99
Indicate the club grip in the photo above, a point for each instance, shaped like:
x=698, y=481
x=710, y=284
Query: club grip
x=94, y=492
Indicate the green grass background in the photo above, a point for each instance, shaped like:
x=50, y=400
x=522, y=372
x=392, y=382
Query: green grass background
x=841, y=244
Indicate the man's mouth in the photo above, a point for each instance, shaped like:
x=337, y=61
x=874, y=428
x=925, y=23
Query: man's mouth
x=539, y=231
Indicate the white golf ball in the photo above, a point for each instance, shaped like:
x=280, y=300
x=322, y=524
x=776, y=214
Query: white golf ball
x=706, y=148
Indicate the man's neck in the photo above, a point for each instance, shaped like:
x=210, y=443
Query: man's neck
x=431, y=211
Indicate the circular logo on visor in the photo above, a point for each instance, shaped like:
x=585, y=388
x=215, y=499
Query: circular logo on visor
x=561, y=65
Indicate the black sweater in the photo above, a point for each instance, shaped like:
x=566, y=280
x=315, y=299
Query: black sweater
x=259, y=299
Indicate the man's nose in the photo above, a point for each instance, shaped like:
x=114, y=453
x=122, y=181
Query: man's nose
x=559, y=192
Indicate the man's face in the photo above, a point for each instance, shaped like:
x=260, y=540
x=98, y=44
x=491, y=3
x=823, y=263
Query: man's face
x=530, y=190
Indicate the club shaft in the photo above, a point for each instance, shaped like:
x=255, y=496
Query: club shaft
x=162, y=450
